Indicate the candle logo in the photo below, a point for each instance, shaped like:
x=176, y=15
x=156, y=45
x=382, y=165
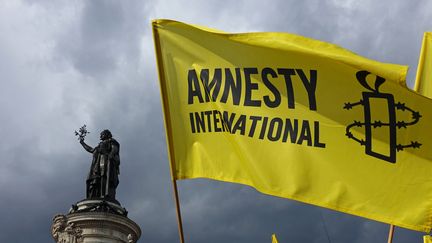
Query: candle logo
x=383, y=121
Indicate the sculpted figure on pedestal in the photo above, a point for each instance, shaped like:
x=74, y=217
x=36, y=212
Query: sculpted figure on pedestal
x=102, y=179
x=64, y=232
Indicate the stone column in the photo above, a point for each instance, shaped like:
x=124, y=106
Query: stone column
x=93, y=221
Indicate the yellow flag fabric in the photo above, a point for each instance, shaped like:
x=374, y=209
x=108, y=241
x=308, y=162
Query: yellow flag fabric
x=423, y=83
x=427, y=239
x=296, y=118
x=274, y=240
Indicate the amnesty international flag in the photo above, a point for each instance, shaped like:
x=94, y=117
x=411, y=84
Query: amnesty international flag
x=427, y=239
x=296, y=118
x=423, y=83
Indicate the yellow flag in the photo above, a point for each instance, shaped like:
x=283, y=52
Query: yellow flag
x=427, y=239
x=423, y=83
x=274, y=240
x=296, y=118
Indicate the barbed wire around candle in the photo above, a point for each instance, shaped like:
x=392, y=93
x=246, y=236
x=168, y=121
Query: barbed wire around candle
x=392, y=124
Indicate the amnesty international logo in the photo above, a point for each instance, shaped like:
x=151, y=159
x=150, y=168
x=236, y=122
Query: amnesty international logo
x=387, y=125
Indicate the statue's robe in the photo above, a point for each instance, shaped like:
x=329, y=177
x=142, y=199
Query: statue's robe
x=105, y=165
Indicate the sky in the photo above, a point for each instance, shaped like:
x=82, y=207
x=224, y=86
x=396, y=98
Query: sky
x=69, y=62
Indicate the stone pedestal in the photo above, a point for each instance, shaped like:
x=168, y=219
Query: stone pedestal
x=93, y=221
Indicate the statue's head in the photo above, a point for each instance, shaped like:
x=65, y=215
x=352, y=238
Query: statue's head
x=105, y=134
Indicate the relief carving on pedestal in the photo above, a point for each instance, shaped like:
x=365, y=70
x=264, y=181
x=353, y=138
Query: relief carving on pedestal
x=64, y=232
x=130, y=238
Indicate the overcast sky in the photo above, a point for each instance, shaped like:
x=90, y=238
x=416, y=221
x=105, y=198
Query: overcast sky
x=68, y=63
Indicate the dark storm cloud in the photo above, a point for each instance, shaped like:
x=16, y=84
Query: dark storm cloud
x=235, y=213
x=92, y=62
x=106, y=36
x=378, y=30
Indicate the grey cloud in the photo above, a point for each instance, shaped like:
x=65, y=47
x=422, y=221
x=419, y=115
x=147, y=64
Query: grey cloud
x=377, y=30
x=92, y=62
x=107, y=35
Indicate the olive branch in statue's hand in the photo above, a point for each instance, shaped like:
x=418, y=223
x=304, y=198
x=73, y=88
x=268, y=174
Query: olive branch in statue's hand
x=82, y=132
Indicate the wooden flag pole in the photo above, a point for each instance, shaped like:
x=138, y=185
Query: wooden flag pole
x=390, y=235
x=179, y=218
x=167, y=127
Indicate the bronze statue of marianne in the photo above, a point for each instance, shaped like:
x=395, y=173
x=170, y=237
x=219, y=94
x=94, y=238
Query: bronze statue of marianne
x=102, y=179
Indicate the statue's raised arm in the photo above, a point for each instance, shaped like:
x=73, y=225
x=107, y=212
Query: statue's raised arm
x=86, y=147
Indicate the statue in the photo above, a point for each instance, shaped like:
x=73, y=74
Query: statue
x=102, y=179
x=99, y=217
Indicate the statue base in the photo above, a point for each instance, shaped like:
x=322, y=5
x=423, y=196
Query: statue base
x=95, y=221
x=98, y=205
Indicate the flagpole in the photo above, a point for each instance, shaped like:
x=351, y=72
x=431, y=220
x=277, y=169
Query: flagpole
x=390, y=235
x=167, y=120
x=179, y=218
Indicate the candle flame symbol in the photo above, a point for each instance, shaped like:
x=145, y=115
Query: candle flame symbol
x=361, y=78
